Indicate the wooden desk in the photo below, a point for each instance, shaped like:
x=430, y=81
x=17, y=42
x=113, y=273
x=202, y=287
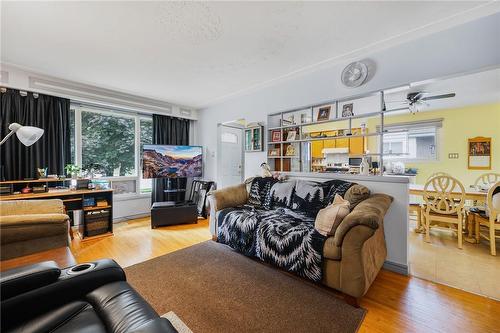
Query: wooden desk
x=49, y=195
x=470, y=194
x=62, y=256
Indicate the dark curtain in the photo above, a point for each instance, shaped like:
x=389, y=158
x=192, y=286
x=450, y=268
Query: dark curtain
x=52, y=150
x=168, y=131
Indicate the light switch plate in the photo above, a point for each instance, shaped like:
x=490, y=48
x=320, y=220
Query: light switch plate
x=453, y=156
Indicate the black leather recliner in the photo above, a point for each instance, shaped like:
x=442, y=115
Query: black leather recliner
x=93, y=298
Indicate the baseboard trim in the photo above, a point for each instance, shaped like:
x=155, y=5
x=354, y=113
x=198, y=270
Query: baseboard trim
x=396, y=268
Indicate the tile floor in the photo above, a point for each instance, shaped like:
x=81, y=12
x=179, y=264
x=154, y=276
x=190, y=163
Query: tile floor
x=472, y=269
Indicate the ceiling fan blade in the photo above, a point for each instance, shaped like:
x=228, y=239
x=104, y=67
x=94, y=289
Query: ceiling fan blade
x=438, y=97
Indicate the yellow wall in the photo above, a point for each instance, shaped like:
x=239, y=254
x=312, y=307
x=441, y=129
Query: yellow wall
x=458, y=126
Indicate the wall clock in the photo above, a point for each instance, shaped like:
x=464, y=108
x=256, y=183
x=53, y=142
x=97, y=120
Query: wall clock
x=354, y=74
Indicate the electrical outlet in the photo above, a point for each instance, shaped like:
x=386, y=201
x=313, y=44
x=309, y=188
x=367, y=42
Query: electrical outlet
x=453, y=156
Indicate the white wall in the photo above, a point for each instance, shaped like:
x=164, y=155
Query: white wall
x=464, y=48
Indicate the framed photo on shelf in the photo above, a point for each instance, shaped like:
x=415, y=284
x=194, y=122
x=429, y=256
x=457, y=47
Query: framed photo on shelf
x=291, y=135
x=275, y=135
x=324, y=113
x=479, y=151
x=274, y=152
x=290, y=150
x=305, y=118
x=348, y=110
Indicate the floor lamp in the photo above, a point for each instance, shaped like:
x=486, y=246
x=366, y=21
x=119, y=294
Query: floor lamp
x=28, y=135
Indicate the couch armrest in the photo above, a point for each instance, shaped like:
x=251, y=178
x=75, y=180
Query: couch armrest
x=369, y=213
x=20, y=207
x=23, y=279
x=67, y=288
x=228, y=197
x=231, y=196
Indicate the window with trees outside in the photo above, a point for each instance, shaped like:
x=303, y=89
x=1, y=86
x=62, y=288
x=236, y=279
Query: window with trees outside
x=110, y=143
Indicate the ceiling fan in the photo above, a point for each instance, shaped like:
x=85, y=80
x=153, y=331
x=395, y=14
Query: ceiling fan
x=417, y=99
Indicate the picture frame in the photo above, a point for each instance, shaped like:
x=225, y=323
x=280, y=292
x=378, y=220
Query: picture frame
x=348, y=110
x=305, y=118
x=290, y=151
x=479, y=153
x=291, y=135
x=274, y=152
x=275, y=135
x=324, y=113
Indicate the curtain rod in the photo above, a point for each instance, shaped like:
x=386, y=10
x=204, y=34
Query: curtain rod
x=23, y=93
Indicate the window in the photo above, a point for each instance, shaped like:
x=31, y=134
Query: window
x=112, y=142
x=72, y=135
x=146, y=137
x=411, y=141
x=108, y=141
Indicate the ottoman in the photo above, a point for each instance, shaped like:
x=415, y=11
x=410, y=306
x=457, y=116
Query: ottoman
x=168, y=213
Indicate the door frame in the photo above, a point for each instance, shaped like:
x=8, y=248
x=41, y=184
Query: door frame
x=230, y=124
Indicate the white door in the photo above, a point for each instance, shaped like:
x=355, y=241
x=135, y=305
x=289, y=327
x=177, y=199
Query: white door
x=230, y=162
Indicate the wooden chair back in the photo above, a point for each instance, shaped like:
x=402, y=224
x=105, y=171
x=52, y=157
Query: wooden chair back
x=436, y=174
x=493, y=207
x=444, y=195
x=487, y=179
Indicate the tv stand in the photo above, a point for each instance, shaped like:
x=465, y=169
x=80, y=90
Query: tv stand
x=175, y=191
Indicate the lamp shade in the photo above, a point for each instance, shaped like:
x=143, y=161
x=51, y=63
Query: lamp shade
x=28, y=135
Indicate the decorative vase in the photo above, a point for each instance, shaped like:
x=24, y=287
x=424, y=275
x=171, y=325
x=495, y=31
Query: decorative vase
x=364, y=168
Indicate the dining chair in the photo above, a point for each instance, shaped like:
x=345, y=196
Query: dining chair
x=491, y=222
x=415, y=207
x=418, y=207
x=436, y=174
x=487, y=179
x=444, y=198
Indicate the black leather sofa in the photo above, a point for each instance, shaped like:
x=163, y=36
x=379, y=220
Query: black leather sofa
x=92, y=297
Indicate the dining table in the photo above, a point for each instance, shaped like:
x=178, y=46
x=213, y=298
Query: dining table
x=471, y=193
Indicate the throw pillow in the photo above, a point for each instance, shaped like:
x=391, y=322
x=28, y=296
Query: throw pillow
x=334, y=187
x=356, y=193
x=329, y=218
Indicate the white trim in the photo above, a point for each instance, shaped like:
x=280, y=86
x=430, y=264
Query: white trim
x=90, y=94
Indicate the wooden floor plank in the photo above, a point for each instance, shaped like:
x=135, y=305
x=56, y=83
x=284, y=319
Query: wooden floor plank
x=395, y=303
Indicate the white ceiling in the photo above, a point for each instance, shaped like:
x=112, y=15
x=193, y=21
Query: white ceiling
x=196, y=53
x=470, y=89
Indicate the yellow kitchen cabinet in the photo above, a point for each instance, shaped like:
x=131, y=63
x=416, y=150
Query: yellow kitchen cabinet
x=329, y=143
x=356, y=145
x=342, y=143
x=316, y=148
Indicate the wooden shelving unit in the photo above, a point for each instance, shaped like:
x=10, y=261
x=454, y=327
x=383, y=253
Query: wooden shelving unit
x=304, y=117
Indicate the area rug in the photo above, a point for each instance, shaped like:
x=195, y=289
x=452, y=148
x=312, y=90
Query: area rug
x=215, y=289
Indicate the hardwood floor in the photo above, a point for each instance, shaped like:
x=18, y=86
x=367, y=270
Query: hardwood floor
x=395, y=303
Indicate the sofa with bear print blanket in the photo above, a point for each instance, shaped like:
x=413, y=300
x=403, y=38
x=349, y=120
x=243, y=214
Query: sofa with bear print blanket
x=329, y=232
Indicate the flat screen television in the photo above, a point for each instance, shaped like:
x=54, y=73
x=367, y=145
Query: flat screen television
x=160, y=161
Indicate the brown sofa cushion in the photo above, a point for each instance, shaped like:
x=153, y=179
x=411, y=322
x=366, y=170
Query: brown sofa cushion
x=331, y=216
x=356, y=193
x=15, y=229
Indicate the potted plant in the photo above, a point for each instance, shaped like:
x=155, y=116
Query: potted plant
x=72, y=170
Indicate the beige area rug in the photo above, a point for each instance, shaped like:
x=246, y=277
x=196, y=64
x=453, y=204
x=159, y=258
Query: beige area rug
x=215, y=289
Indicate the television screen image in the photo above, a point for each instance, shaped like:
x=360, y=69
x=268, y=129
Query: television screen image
x=159, y=161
